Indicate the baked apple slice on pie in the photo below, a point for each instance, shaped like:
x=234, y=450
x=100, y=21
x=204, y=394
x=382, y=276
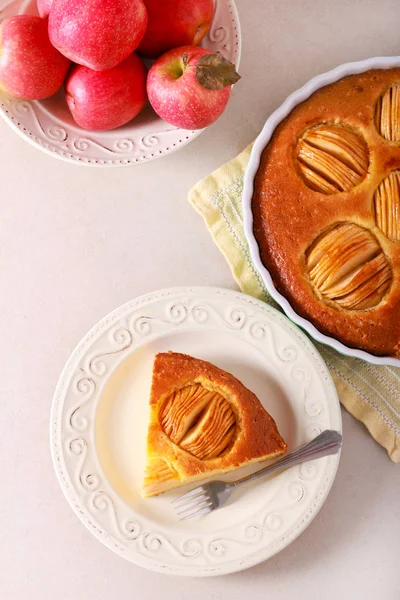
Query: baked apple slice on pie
x=203, y=422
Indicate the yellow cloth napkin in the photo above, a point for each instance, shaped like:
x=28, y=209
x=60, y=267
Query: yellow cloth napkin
x=370, y=393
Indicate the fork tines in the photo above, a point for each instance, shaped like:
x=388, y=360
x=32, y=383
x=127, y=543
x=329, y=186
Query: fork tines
x=193, y=504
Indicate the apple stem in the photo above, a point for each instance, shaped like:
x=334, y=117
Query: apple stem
x=185, y=60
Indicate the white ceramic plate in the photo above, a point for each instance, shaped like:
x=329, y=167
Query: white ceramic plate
x=99, y=426
x=48, y=124
x=272, y=122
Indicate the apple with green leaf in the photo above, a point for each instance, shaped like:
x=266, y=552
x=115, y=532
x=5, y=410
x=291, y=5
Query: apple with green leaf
x=189, y=87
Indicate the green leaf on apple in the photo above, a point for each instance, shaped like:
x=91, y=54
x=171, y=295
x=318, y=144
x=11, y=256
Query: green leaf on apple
x=215, y=72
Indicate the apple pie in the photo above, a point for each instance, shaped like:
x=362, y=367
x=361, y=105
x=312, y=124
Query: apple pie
x=326, y=207
x=203, y=422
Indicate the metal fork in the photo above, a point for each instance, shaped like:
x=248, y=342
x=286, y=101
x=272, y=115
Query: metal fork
x=212, y=495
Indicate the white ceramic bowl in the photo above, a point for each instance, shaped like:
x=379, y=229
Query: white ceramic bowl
x=49, y=126
x=272, y=122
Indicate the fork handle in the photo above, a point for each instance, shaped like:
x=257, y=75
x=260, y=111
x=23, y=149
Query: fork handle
x=327, y=442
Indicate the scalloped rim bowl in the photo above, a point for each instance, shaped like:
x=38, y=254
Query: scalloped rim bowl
x=48, y=124
x=263, y=139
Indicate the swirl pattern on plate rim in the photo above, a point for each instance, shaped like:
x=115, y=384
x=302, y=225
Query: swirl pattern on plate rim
x=121, y=335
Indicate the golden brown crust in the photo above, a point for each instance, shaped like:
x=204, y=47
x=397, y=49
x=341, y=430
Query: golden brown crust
x=289, y=215
x=257, y=437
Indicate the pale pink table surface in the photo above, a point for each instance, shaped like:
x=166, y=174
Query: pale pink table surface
x=77, y=242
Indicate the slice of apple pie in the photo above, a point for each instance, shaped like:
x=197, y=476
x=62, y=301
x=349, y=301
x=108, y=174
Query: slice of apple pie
x=203, y=422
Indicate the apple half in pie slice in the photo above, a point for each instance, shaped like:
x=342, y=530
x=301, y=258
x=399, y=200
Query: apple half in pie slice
x=203, y=422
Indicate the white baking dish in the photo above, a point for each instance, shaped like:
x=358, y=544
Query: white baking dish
x=272, y=122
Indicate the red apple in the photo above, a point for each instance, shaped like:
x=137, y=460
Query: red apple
x=98, y=34
x=175, y=23
x=44, y=7
x=101, y=100
x=30, y=67
x=189, y=87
